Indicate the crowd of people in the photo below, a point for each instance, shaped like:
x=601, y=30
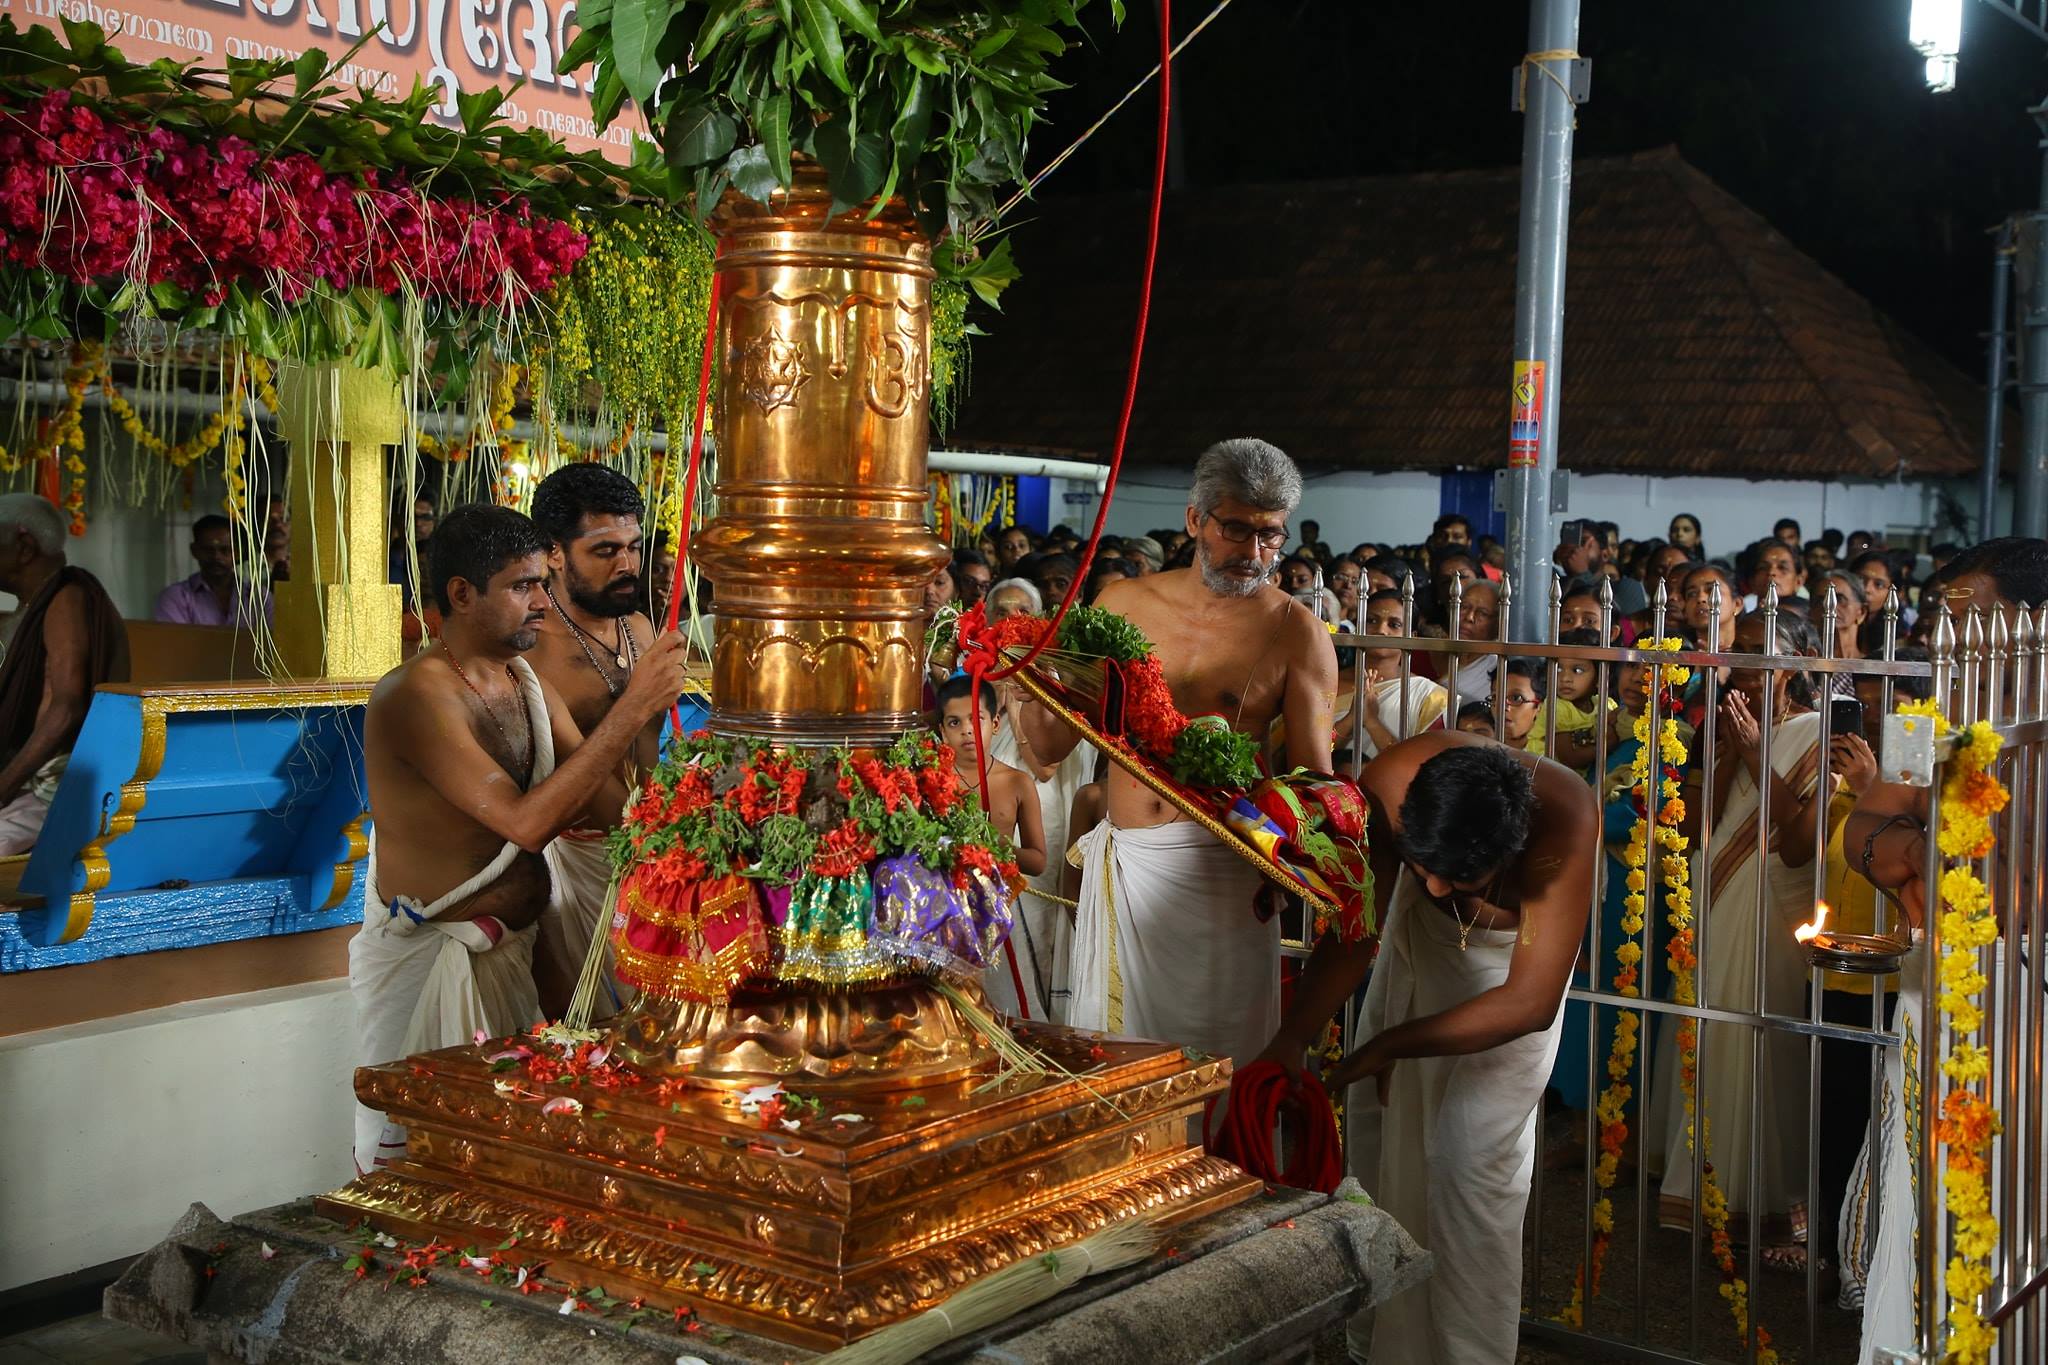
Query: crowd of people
x=1846, y=596
x=1498, y=785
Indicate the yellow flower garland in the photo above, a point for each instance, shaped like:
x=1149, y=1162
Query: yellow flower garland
x=1675, y=871
x=1611, y=1107
x=1970, y=796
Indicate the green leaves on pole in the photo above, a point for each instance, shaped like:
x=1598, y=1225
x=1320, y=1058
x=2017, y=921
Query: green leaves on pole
x=930, y=100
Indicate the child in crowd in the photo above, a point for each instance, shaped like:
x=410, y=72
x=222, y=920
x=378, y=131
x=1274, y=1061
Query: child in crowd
x=1012, y=795
x=1476, y=718
x=1572, y=738
x=1523, y=683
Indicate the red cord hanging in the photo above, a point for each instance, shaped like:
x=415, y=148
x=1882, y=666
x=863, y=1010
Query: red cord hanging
x=1257, y=1095
x=1123, y=423
x=979, y=662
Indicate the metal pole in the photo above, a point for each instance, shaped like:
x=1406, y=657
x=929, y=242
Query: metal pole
x=2030, y=513
x=1995, y=383
x=1547, y=114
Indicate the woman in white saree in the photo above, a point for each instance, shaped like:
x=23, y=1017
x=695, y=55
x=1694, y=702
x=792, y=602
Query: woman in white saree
x=1753, y=899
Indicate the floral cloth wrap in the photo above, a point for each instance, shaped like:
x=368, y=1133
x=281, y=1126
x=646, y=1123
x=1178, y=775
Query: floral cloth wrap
x=685, y=939
x=931, y=920
x=827, y=935
x=1314, y=826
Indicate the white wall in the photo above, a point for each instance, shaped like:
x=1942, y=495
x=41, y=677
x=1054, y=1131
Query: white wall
x=113, y=1127
x=1397, y=506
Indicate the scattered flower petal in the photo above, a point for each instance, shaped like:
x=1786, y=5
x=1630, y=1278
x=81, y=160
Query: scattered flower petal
x=563, y=1104
x=269, y=1251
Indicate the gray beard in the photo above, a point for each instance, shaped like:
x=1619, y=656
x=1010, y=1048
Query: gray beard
x=1226, y=585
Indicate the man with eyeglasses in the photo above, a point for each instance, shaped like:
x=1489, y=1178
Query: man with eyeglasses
x=1175, y=911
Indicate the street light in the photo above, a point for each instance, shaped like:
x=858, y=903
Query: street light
x=1935, y=28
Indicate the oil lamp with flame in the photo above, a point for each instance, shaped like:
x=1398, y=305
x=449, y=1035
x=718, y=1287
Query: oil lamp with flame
x=1863, y=954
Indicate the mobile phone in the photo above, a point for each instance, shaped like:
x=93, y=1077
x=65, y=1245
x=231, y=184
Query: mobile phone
x=1574, y=531
x=1845, y=716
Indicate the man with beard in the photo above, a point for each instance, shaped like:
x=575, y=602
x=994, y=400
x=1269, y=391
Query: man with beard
x=589, y=642
x=1169, y=942
x=462, y=744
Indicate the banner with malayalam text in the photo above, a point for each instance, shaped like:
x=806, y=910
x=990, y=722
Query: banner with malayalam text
x=450, y=45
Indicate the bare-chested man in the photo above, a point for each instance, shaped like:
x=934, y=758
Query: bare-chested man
x=1482, y=860
x=1168, y=942
x=591, y=638
x=66, y=639
x=474, y=766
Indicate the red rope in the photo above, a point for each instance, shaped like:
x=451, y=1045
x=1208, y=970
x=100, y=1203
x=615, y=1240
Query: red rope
x=1123, y=423
x=1257, y=1095
x=979, y=661
x=675, y=592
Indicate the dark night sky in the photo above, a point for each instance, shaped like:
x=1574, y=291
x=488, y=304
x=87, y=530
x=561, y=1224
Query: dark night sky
x=1811, y=111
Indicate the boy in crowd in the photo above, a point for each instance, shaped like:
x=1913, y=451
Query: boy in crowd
x=1012, y=795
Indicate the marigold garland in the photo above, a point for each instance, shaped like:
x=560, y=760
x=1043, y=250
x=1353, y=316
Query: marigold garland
x=67, y=430
x=1970, y=796
x=1612, y=1105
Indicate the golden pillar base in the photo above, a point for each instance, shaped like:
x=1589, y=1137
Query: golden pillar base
x=336, y=615
x=900, y=1035
x=882, y=1202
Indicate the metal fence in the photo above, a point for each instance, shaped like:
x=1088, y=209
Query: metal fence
x=1661, y=1297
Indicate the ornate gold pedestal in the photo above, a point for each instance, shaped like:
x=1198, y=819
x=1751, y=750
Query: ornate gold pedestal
x=880, y=1204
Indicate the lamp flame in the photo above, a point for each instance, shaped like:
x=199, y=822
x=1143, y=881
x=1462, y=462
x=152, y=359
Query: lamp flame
x=1807, y=933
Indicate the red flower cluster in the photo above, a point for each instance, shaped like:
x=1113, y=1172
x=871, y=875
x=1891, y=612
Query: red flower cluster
x=656, y=807
x=89, y=200
x=898, y=787
x=772, y=784
x=940, y=785
x=1150, y=718
x=844, y=850
x=973, y=858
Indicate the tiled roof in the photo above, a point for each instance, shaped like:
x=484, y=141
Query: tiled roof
x=1367, y=324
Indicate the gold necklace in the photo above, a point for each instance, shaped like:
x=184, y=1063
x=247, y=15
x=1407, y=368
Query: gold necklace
x=1464, y=928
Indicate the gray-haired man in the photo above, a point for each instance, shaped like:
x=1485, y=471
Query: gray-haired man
x=1168, y=943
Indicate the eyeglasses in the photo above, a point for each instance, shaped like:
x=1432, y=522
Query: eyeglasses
x=1524, y=700
x=1238, y=532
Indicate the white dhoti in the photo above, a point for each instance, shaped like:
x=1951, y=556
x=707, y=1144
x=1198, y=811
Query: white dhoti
x=580, y=870
x=1451, y=1154
x=1167, y=945
x=1881, y=1209
x=421, y=983
x=1042, y=936
x=21, y=820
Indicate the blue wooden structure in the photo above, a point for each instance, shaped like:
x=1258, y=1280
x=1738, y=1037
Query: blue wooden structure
x=201, y=813
x=194, y=814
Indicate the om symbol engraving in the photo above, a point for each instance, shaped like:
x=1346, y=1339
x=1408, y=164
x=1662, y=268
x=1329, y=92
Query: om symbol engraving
x=772, y=369
x=897, y=367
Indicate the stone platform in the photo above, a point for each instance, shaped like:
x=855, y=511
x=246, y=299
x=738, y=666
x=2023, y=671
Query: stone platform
x=1257, y=1282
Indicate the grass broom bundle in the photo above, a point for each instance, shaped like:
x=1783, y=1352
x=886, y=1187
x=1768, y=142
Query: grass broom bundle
x=597, y=961
x=997, y=1297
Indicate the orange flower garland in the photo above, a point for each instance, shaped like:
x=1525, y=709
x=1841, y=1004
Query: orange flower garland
x=1970, y=795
